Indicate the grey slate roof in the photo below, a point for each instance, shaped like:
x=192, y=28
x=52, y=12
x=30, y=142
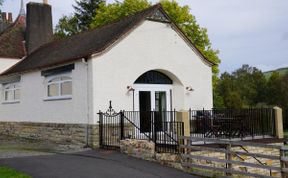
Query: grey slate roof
x=82, y=45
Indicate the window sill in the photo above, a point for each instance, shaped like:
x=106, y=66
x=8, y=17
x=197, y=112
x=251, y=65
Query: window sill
x=58, y=98
x=10, y=102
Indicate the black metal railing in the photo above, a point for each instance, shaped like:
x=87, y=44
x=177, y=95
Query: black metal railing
x=232, y=123
x=160, y=127
x=285, y=118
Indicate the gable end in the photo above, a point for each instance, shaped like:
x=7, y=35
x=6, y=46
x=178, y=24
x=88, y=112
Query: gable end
x=159, y=16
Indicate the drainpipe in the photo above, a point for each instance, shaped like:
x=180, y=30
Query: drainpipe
x=84, y=61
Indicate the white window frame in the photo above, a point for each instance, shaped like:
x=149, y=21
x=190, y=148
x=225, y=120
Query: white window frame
x=7, y=88
x=59, y=82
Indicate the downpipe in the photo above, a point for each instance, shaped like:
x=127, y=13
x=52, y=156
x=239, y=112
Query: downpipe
x=84, y=61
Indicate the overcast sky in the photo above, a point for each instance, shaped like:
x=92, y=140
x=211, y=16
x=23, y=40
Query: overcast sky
x=253, y=32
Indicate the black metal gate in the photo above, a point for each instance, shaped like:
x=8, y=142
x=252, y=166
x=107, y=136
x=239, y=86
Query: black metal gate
x=159, y=127
x=111, y=128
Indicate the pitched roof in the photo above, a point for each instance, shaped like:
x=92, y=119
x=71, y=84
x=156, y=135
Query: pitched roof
x=85, y=44
x=12, y=39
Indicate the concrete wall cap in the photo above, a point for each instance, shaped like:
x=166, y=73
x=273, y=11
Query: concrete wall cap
x=183, y=110
x=276, y=107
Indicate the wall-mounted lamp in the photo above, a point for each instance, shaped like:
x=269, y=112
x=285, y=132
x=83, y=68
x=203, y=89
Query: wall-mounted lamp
x=130, y=88
x=189, y=88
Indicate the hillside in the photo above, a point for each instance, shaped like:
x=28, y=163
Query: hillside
x=282, y=71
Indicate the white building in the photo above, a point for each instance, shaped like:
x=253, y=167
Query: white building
x=142, y=62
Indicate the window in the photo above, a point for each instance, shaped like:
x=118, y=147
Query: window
x=59, y=88
x=12, y=92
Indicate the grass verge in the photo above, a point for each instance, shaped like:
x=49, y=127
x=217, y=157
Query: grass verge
x=6, y=172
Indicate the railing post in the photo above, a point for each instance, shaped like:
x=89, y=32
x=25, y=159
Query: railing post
x=283, y=162
x=121, y=125
x=154, y=134
x=204, y=123
x=278, y=122
x=100, y=128
x=183, y=116
x=228, y=158
x=251, y=120
x=262, y=115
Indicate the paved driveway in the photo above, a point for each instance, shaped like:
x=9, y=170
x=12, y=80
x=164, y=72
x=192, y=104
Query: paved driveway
x=91, y=164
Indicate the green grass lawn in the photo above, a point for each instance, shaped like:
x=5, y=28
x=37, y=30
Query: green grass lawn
x=6, y=172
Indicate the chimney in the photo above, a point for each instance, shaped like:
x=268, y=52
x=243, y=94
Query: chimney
x=4, y=16
x=39, y=30
x=10, y=19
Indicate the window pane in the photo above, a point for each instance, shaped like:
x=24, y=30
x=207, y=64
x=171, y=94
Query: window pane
x=65, y=78
x=17, y=94
x=9, y=87
x=9, y=95
x=53, y=90
x=66, y=88
x=55, y=79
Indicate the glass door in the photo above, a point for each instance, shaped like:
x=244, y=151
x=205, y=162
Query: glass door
x=145, y=111
x=152, y=99
x=160, y=109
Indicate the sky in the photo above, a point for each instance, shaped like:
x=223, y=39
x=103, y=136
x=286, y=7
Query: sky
x=253, y=32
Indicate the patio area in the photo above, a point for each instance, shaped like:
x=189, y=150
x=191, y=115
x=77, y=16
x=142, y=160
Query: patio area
x=243, y=124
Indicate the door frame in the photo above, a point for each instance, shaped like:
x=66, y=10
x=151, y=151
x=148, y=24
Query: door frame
x=153, y=88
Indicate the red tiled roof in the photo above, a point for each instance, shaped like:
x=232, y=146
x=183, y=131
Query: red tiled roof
x=12, y=39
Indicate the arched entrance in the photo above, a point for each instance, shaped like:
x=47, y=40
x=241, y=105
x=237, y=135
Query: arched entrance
x=153, y=92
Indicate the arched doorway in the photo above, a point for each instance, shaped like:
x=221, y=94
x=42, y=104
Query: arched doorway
x=153, y=98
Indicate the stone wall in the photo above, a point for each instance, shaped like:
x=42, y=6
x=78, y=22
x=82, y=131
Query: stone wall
x=143, y=149
x=62, y=134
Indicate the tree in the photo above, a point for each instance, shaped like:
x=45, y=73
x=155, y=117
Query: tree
x=85, y=10
x=250, y=83
x=227, y=90
x=108, y=13
x=245, y=87
x=1, y=2
x=277, y=94
x=273, y=85
x=67, y=26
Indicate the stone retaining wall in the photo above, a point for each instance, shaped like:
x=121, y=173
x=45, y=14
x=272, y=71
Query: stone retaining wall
x=143, y=149
x=64, y=134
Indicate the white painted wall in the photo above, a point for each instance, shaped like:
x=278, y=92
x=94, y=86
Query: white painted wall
x=6, y=63
x=151, y=46
x=33, y=108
